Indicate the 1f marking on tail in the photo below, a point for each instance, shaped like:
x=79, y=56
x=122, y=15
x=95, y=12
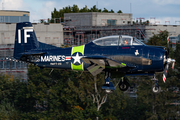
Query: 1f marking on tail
x=25, y=35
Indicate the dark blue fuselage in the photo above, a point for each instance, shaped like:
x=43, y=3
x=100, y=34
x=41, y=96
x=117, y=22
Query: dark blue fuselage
x=131, y=55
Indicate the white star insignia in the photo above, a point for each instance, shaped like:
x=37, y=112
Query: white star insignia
x=77, y=58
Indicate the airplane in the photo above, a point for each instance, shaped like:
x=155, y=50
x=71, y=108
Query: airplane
x=115, y=55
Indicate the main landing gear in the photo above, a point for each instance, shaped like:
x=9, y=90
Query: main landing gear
x=109, y=87
x=155, y=88
x=123, y=84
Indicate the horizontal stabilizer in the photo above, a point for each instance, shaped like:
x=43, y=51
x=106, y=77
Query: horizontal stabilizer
x=33, y=53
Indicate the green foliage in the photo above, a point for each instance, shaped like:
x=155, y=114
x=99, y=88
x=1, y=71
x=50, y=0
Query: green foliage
x=75, y=9
x=56, y=94
x=9, y=89
x=8, y=111
x=158, y=105
x=159, y=39
x=119, y=11
x=162, y=105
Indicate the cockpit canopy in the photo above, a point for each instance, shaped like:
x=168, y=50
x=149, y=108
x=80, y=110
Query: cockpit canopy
x=121, y=40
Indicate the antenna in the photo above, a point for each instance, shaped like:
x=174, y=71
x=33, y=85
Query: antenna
x=130, y=7
x=97, y=6
x=2, y=4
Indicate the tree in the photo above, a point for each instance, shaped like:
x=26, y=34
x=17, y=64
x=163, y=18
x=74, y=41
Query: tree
x=119, y=11
x=56, y=15
x=55, y=94
x=162, y=105
x=159, y=39
x=75, y=9
x=105, y=10
x=9, y=89
x=84, y=9
x=112, y=11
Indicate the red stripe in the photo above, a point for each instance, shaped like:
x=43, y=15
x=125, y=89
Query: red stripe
x=164, y=78
x=168, y=40
x=68, y=58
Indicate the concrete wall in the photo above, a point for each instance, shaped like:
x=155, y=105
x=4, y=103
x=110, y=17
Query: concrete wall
x=96, y=18
x=174, y=30
x=78, y=19
x=121, y=18
x=50, y=33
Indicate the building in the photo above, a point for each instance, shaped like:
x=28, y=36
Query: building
x=173, y=30
x=174, y=39
x=13, y=16
x=97, y=19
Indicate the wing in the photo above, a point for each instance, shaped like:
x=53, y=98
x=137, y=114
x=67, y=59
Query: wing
x=99, y=63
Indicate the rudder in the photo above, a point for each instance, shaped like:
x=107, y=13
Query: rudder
x=25, y=39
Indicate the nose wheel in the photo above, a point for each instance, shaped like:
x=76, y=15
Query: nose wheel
x=155, y=88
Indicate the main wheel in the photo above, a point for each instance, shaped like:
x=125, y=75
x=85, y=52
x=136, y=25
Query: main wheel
x=123, y=85
x=156, y=89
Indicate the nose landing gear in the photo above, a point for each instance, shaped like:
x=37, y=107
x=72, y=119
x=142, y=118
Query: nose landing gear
x=155, y=88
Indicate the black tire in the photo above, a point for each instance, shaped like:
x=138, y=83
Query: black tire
x=123, y=86
x=156, y=89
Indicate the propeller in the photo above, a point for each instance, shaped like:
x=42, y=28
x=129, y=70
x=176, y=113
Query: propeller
x=168, y=60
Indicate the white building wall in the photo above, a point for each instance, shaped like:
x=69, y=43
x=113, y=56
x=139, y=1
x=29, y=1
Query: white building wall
x=96, y=18
x=50, y=34
x=174, y=30
x=121, y=18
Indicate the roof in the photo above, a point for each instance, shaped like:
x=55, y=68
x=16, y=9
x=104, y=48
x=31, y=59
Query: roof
x=13, y=11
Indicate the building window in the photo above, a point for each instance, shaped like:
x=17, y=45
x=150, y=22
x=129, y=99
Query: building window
x=25, y=14
x=7, y=64
x=18, y=65
x=13, y=64
x=129, y=22
x=1, y=63
x=111, y=22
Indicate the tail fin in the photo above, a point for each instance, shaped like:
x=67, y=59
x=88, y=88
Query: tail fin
x=25, y=39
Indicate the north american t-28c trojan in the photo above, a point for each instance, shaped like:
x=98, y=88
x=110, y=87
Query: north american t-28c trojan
x=118, y=54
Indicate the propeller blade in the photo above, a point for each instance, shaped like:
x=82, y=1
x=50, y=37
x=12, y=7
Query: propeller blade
x=165, y=72
x=168, y=46
x=169, y=60
x=173, y=65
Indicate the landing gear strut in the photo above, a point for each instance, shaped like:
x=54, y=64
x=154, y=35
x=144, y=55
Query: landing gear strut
x=108, y=85
x=155, y=88
x=123, y=84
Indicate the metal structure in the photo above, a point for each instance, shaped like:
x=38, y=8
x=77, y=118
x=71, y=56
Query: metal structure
x=9, y=65
x=84, y=34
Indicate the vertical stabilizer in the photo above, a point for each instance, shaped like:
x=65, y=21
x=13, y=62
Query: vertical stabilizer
x=25, y=39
